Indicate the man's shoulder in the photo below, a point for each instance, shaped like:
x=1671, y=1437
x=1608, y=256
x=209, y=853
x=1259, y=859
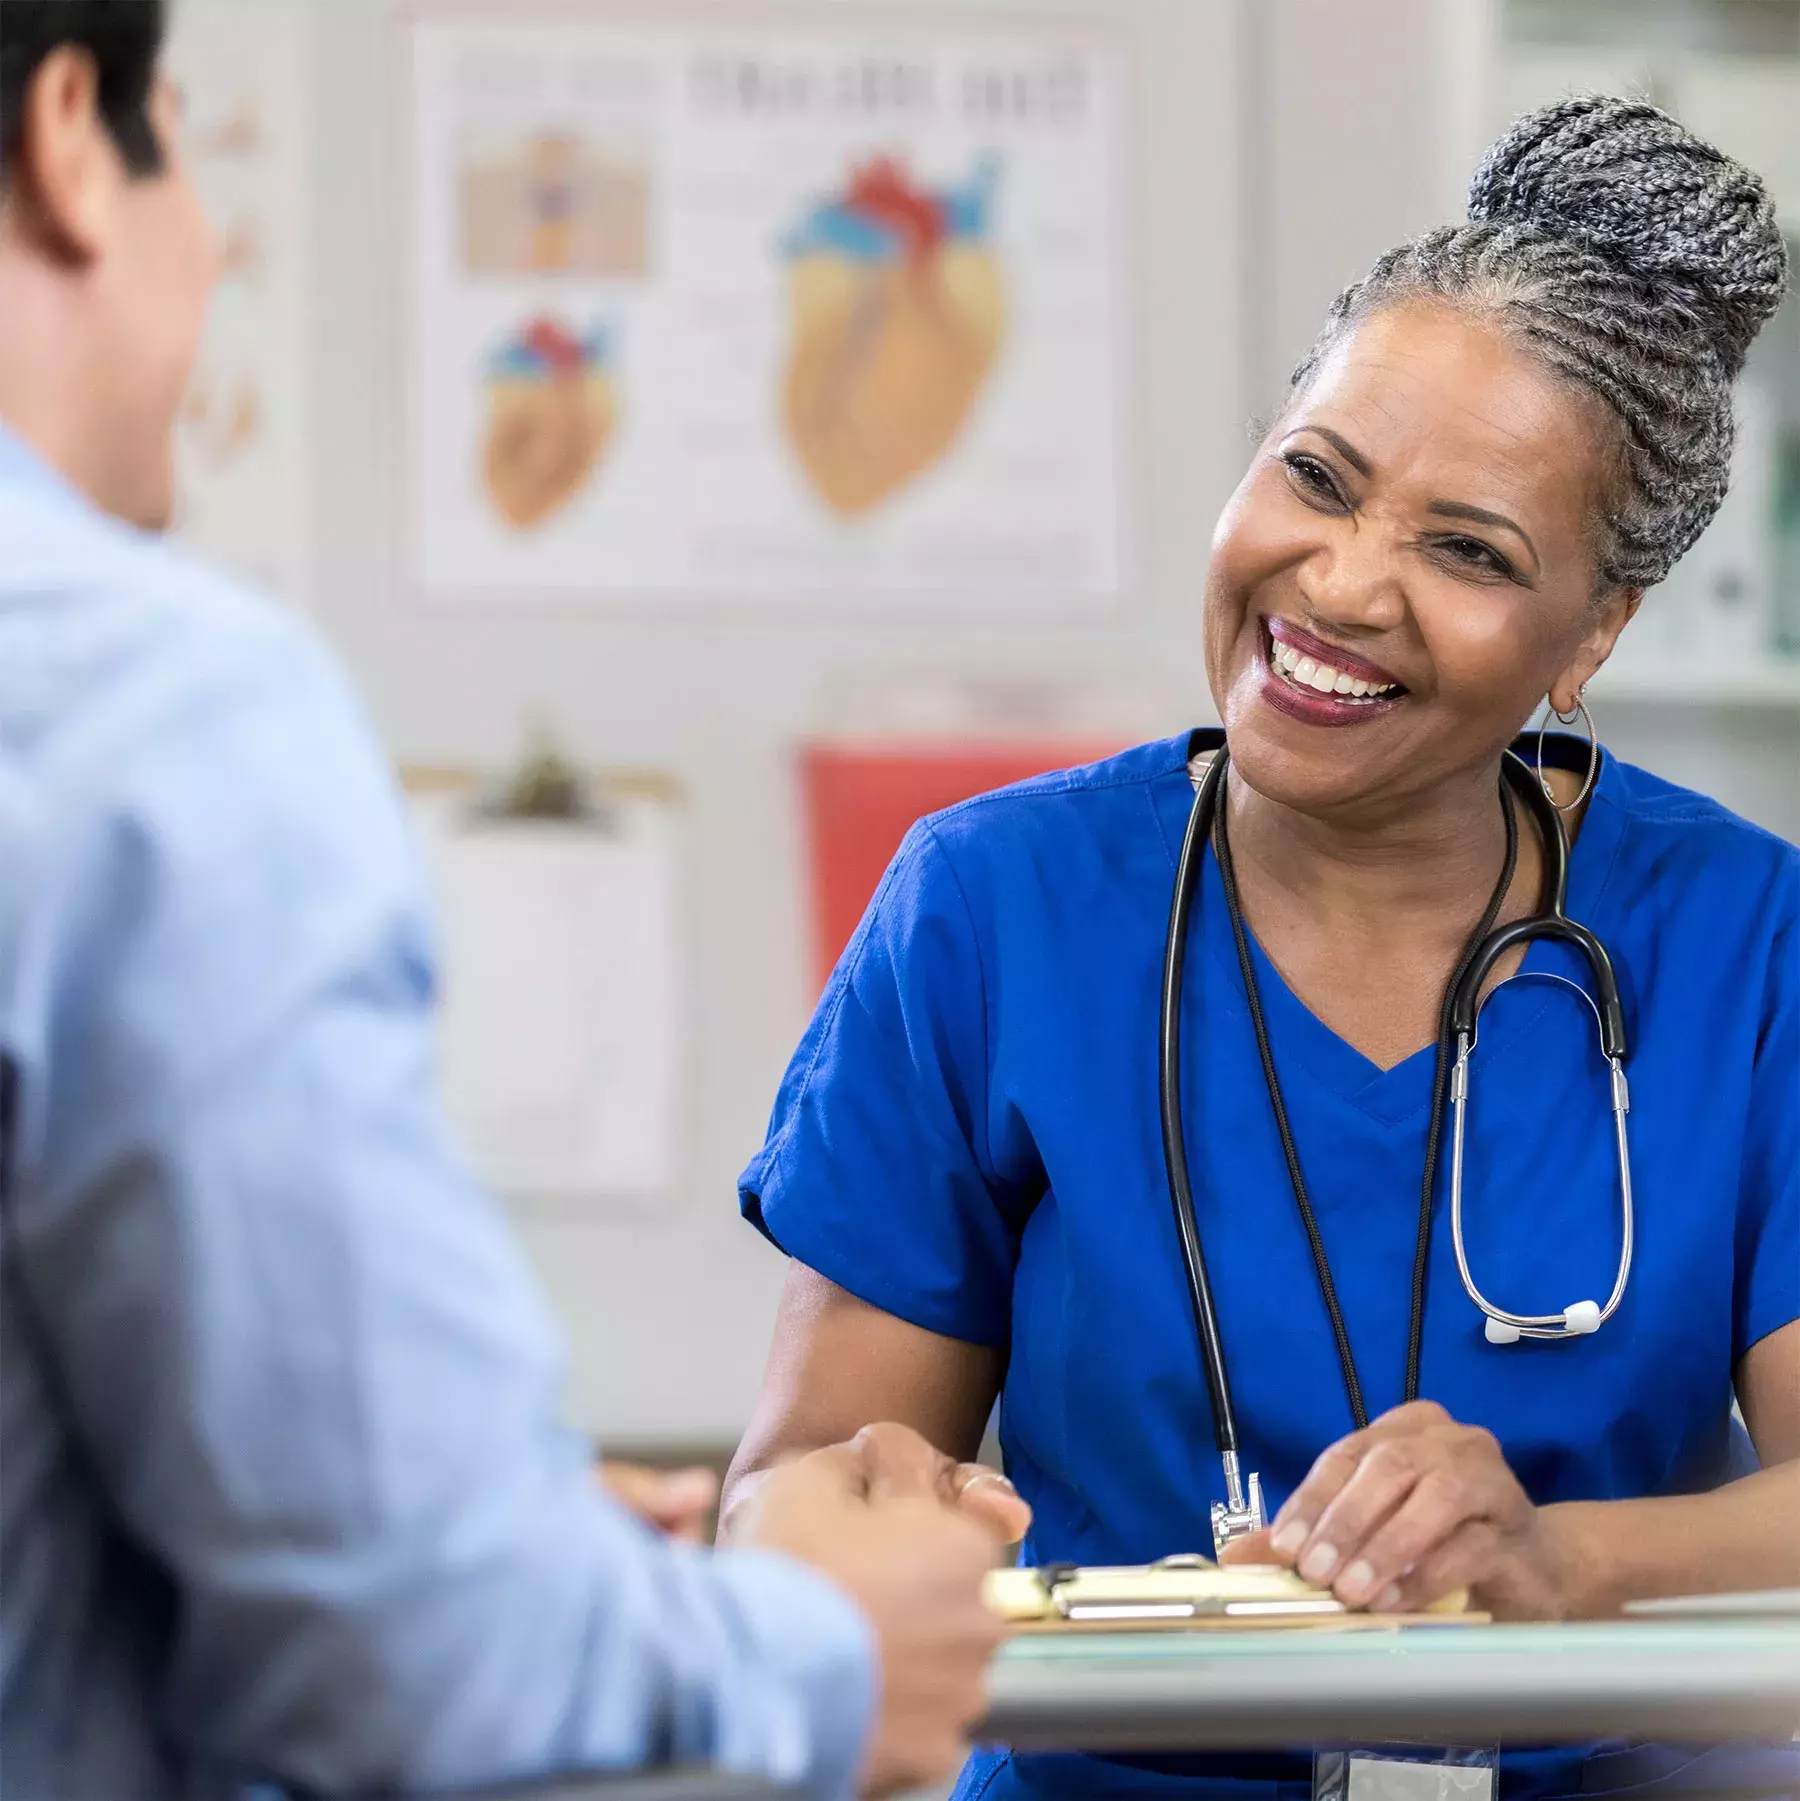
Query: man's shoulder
x=112, y=640
x=190, y=797
x=161, y=724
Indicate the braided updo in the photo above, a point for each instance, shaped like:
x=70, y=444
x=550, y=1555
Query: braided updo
x=1638, y=263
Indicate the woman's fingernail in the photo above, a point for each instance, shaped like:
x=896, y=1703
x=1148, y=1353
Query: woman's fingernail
x=1289, y=1537
x=1389, y=1599
x=1319, y=1562
x=1356, y=1582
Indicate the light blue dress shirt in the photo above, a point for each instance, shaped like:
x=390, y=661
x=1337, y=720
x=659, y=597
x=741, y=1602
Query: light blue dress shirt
x=285, y=1494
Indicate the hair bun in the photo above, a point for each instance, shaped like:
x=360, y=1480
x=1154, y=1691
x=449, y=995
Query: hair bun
x=1632, y=185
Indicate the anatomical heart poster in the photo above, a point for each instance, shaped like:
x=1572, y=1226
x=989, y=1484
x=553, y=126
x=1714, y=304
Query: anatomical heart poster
x=736, y=308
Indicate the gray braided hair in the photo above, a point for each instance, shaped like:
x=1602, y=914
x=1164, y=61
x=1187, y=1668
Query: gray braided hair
x=1639, y=263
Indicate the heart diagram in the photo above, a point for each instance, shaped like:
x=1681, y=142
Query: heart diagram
x=550, y=415
x=897, y=310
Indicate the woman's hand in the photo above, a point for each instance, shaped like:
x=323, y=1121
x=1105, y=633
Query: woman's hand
x=1410, y=1510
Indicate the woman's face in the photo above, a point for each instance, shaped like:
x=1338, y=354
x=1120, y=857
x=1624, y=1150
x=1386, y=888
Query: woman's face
x=1407, y=568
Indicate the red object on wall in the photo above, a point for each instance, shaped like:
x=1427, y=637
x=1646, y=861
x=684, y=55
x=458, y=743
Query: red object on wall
x=861, y=799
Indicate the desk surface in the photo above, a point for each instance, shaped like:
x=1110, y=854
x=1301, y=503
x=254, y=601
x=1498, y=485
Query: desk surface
x=1448, y=1685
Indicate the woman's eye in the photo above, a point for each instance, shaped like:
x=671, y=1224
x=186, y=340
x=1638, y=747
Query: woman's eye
x=1312, y=478
x=1473, y=554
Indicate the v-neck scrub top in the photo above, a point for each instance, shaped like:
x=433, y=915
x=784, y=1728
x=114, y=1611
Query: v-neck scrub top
x=968, y=1138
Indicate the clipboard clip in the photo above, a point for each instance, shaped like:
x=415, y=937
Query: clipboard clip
x=544, y=788
x=1076, y=1594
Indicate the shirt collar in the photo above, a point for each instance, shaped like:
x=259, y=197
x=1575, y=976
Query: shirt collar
x=21, y=466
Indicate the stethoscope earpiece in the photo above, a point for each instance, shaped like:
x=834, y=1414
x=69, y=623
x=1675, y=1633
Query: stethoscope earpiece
x=1582, y=1318
x=1578, y=1320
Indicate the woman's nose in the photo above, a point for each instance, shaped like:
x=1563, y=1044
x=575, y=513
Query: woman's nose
x=1353, y=580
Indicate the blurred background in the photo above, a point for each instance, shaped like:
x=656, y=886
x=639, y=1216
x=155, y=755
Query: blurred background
x=684, y=552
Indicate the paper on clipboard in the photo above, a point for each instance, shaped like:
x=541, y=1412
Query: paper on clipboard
x=1181, y=1594
x=560, y=998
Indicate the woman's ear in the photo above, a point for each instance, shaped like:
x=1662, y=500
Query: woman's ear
x=1611, y=617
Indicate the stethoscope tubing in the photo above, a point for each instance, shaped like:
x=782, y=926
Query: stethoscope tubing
x=1552, y=922
x=1175, y=1160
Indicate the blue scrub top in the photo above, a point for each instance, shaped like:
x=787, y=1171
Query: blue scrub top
x=968, y=1138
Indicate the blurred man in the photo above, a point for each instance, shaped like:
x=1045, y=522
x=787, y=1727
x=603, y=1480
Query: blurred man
x=285, y=1492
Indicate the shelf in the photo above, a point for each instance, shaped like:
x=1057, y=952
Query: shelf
x=1772, y=683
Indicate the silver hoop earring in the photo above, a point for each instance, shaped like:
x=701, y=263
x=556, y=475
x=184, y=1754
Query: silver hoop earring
x=1593, y=739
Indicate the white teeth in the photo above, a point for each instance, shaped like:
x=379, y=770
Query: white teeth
x=1306, y=672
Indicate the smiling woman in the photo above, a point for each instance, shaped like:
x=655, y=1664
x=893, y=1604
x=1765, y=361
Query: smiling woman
x=1507, y=432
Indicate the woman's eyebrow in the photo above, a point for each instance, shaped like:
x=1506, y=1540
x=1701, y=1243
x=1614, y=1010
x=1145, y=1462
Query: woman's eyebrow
x=1343, y=447
x=1456, y=509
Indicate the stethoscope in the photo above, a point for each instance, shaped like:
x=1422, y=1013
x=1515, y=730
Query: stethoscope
x=1242, y=1509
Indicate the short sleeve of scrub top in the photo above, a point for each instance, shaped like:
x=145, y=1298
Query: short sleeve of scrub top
x=877, y=1172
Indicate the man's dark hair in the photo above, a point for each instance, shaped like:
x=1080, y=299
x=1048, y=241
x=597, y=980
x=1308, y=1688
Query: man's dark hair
x=124, y=37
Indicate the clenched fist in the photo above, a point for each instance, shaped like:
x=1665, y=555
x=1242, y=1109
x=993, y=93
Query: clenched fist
x=899, y=1528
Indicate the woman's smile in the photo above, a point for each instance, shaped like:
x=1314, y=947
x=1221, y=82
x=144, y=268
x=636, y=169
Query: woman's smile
x=1319, y=683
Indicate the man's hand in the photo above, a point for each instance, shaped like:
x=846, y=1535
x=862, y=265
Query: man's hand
x=986, y=1495
x=676, y=1502
x=1415, y=1507
x=908, y=1535
x=976, y=1489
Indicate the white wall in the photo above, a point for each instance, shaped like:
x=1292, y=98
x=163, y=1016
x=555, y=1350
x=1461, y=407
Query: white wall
x=1344, y=101
x=1276, y=151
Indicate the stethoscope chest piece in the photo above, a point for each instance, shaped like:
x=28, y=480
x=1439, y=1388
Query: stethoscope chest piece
x=1242, y=1511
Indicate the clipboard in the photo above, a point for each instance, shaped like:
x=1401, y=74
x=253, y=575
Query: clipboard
x=1188, y=1594
x=561, y=1019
